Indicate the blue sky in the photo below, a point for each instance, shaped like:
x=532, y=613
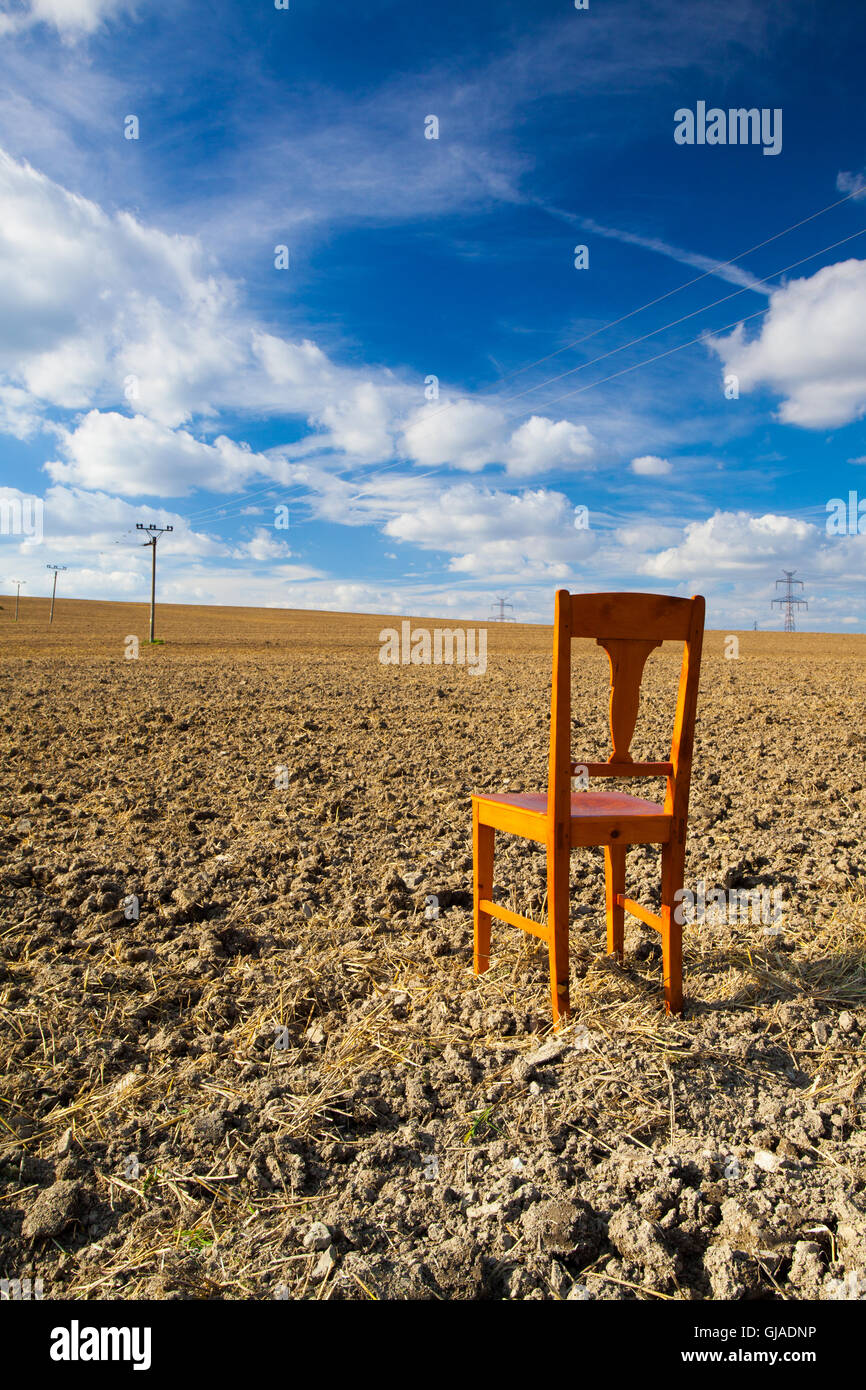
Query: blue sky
x=155, y=364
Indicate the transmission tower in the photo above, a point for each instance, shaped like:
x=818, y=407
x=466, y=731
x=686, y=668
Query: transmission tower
x=789, y=601
x=502, y=616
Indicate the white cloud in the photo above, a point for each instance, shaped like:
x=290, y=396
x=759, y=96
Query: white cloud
x=272, y=586
x=730, y=541
x=95, y=307
x=18, y=414
x=491, y=532
x=851, y=183
x=525, y=542
x=462, y=433
x=470, y=435
x=94, y=535
x=140, y=458
x=264, y=545
x=651, y=466
x=358, y=424
x=811, y=348
x=541, y=445
x=647, y=535
x=79, y=524
x=72, y=18
x=98, y=311
x=299, y=370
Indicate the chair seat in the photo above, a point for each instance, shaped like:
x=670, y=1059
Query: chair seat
x=597, y=818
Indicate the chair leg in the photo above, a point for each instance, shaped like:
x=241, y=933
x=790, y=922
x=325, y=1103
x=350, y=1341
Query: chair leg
x=614, y=882
x=558, y=867
x=483, y=846
x=673, y=866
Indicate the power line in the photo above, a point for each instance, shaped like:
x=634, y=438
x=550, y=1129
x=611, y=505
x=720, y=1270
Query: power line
x=660, y=298
x=720, y=265
x=579, y=390
x=235, y=499
x=613, y=323
x=702, y=337
x=675, y=322
x=634, y=342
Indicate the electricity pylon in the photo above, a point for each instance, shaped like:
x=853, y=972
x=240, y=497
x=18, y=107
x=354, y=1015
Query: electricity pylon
x=154, y=532
x=788, y=601
x=502, y=616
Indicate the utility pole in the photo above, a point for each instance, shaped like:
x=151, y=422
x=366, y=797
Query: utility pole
x=789, y=601
x=56, y=569
x=502, y=616
x=154, y=532
x=19, y=582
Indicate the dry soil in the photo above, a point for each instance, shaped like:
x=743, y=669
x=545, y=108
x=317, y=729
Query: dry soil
x=283, y=1079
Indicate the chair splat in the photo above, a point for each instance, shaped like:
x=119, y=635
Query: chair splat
x=627, y=656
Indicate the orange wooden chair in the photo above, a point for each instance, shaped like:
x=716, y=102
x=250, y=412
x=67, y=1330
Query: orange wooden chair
x=628, y=626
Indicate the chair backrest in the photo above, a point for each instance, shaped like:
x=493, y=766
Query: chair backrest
x=628, y=626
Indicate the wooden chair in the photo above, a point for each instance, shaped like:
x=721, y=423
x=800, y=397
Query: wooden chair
x=628, y=626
